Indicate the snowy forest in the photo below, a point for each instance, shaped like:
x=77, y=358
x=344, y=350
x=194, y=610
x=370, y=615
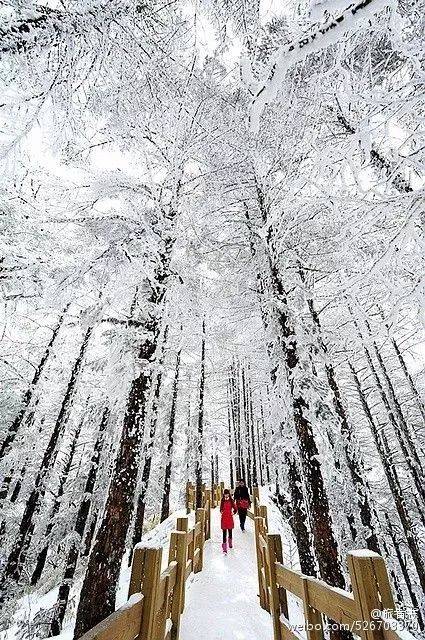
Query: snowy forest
x=212, y=267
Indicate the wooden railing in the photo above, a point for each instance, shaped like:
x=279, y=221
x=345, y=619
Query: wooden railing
x=156, y=596
x=361, y=612
x=213, y=495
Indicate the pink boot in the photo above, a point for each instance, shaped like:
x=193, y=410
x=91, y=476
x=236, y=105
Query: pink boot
x=230, y=543
x=224, y=547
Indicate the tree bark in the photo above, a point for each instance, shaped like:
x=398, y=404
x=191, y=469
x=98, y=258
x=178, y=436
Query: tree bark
x=148, y=449
x=299, y=517
x=231, y=453
x=97, y=597
x=165, y=507
x=199, y=448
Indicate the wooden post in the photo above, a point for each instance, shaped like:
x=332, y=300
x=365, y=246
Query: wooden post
x=371, y=589
x=312, y=617
x=200, y=517
x=272, y=545
x=136, y=571
x=262, y=512
x=191, y=548
x=182, y=524
x=283, y=599
x=151, y=573
x=263, y=599
x=178, y=552
x=187, y=497
x=208, y=513
x=255, y=500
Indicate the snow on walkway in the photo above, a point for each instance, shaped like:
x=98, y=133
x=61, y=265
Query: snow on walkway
x=222, y=601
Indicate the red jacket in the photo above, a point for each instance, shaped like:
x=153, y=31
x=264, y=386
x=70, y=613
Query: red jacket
x=227, y=509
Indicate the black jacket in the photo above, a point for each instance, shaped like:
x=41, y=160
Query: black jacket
x=242, y=493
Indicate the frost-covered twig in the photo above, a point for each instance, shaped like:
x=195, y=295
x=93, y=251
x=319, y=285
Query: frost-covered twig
x=319, y=37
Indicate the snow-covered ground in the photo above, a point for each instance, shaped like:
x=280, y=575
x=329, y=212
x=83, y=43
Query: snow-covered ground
x=222, y=600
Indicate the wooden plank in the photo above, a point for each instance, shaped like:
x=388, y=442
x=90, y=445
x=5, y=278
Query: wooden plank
x=389, y=630
x=262, y=594
x=262, y=512
x=262, y=542
x=196, y=556
x=200, y=518
x=384, y=586
x=334, y=603
x=182, y=524
x=166, y=583
x=312, y=617
x=272, y=545
x=290, y=579
x=123, y=624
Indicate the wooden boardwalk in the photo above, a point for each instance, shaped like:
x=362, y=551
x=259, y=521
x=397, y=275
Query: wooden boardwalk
x=222, y=600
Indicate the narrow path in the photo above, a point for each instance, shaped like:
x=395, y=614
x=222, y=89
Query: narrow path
x=222, y=601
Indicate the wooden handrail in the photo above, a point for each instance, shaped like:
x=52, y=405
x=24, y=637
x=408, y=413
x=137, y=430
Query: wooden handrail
x=356, y=612
x=156, y=597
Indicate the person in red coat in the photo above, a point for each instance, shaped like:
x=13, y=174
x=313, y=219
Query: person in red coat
x=227, y=509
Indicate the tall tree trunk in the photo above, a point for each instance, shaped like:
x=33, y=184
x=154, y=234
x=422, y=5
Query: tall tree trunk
x=42, y=556
x=392, y=479
x=299, y=517
x=406, y=446
x=405, y=429
x=265, y=446
x=97, y=597
x=148, y=449
x=409, y=378
x=350, y=446
x=165, y=507
x=80, y=525
x=245, y=405
x=200, y=434
x=325, y=543
x=16, y=559
x=252, y=440
x=260, y=453
x=231, y=453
